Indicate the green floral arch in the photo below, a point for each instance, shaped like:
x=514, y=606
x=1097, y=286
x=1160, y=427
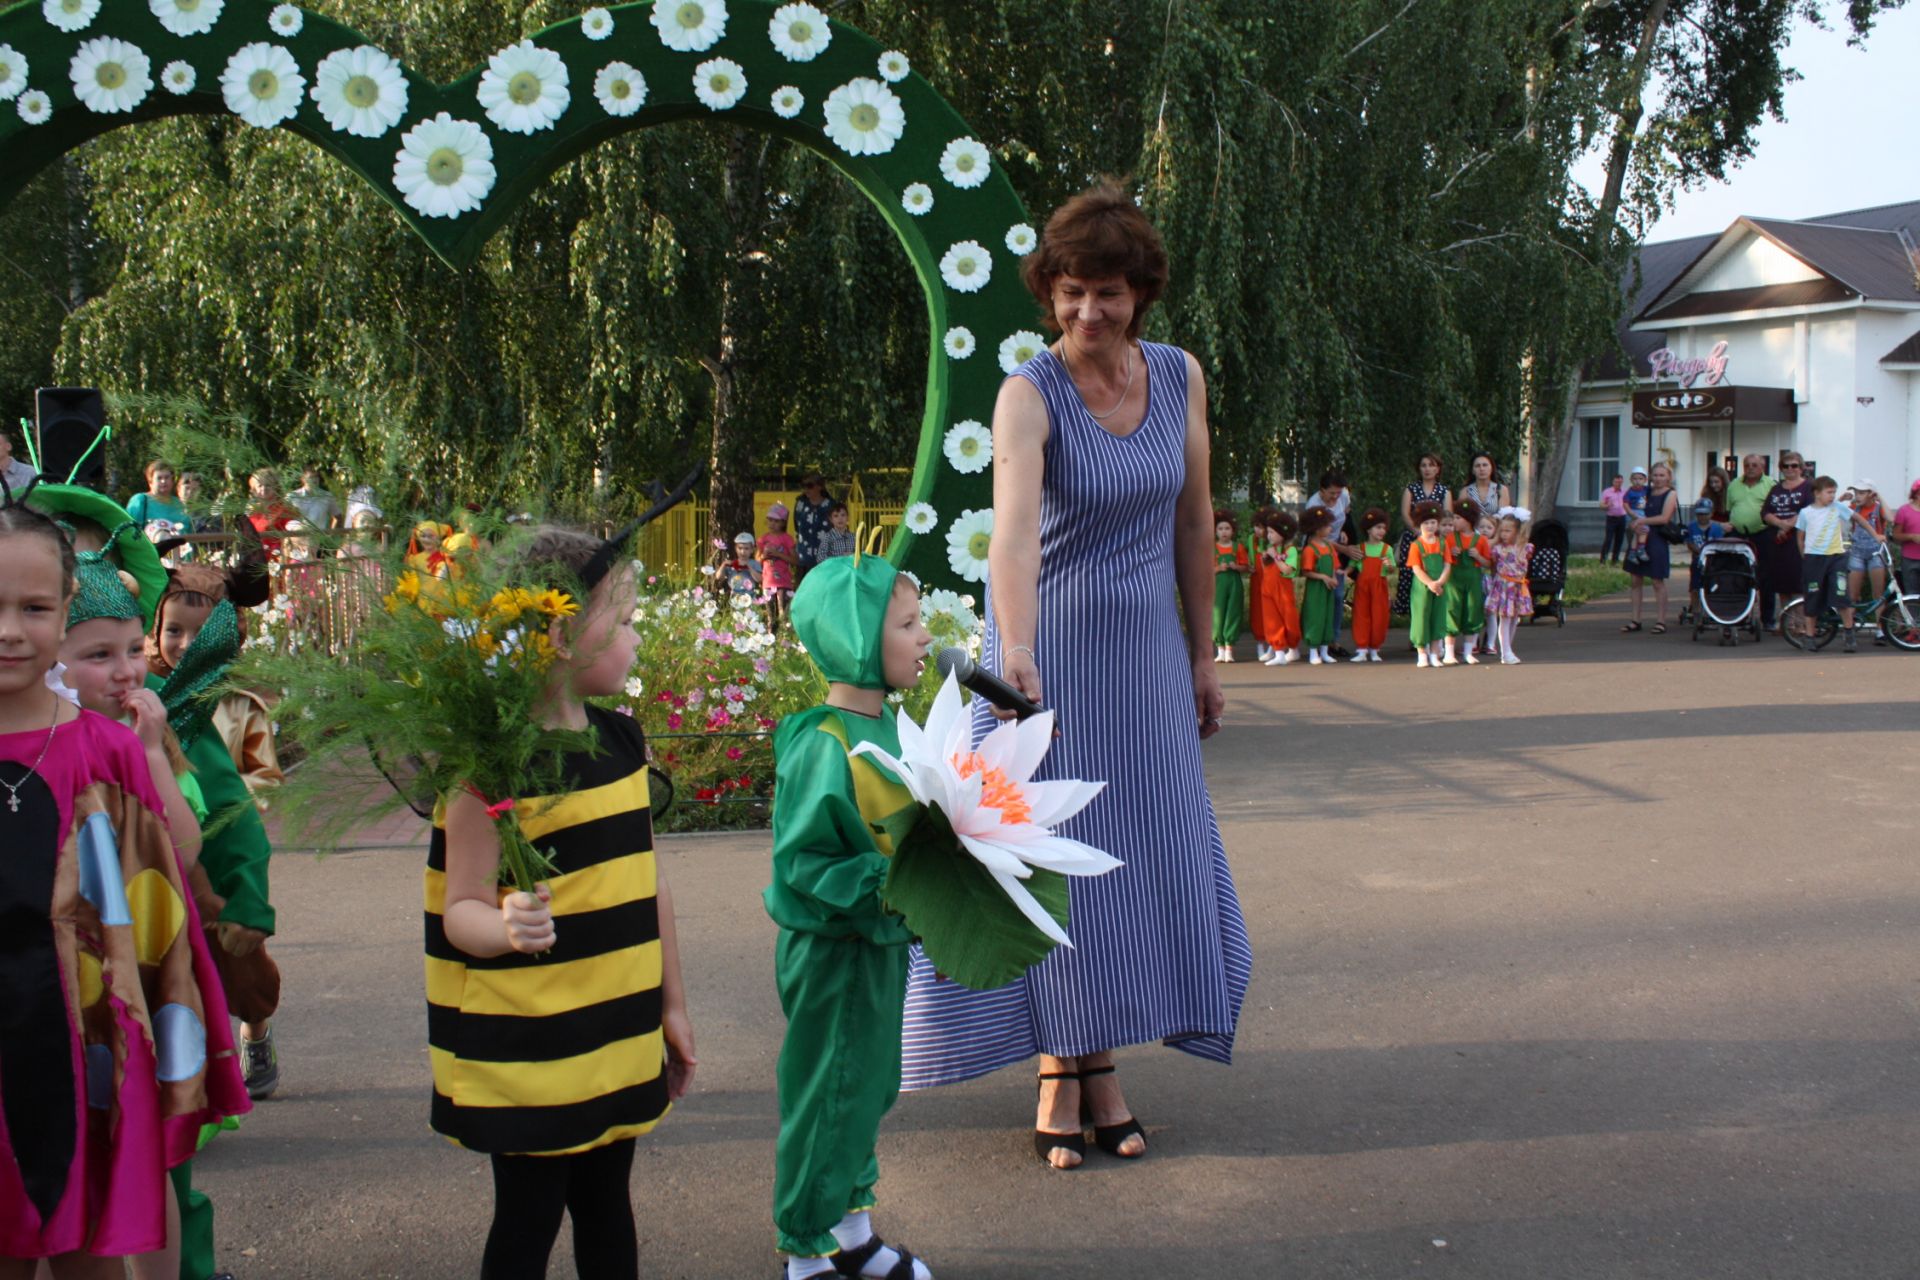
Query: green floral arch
x=455, y=161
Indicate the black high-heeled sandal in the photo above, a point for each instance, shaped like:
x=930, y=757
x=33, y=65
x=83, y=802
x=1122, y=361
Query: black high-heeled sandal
x=1044, y=1143
x=1108, y=1137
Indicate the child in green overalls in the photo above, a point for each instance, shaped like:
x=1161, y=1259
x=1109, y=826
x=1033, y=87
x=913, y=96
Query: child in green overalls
x=1229, y=584
x=1466, y=589
x=841, y=958
x=1319, y=565
x=1432, y=566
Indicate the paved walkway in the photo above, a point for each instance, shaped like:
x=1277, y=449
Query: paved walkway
x=1600, y=966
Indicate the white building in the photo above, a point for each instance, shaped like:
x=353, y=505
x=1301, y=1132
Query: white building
x=1771, y=335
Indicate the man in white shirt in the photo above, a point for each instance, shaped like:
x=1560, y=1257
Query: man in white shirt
x=13, y=470
x=315, y=505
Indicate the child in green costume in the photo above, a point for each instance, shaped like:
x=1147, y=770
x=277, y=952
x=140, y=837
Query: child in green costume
x=841, y=958
x=1230, y=568
x=1466, y=590
x=1432, y=564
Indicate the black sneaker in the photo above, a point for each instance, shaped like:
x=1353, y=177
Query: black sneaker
x=1848, y=646
x=260, y=1065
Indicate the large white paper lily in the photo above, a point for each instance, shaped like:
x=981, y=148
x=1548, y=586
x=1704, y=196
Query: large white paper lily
x=1003, y=818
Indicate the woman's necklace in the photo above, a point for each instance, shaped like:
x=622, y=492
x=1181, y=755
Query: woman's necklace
x=13, y=788
x=1099, y=417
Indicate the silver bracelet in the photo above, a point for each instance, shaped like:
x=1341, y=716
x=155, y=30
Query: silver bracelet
x=1026, y=649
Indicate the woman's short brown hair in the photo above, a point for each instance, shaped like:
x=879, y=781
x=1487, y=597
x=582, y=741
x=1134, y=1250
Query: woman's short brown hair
x=160, y=464
x=1099, y=233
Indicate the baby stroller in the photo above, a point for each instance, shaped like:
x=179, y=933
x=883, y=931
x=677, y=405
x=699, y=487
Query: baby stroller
x=1726, y=590
x=1547, y=572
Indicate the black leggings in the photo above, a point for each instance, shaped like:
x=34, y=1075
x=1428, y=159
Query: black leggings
x=531, y=1192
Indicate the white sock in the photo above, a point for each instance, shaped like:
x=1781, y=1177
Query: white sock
x=855, y=1230
x=805, y=1268
x=1506, y=636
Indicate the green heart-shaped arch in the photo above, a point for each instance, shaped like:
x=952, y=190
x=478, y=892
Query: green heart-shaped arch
x=36, y=130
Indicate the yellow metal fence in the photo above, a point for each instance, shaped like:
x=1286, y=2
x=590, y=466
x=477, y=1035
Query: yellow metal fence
x=679, y=542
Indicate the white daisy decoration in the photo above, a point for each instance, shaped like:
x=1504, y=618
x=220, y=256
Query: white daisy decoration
x=70, y=15
x=1020, y=348
x=13, y=73
x=524, y=88
x=788, y=102
x=286, y=19
x=596, y=24
x=262, y=84
x=360, y=91
x=968, y=540
x=110, y=75
x=620, y=89
x=35, y=107
x=864, y=118
x=966, y=267
x=965, y=163
x=959, y=342
x=951, y=607
x=444, y=167
x=917, y=199
x=690, y=26
x=799, y=32
x=187, y=17
x=894, y=66
x=921, y=518
x=179, y=77
x=719, y=83
x=969, y=447
x=1021, y=240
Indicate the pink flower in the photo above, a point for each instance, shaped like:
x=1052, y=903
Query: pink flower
x=674, y=721
x=734, y=753
x=761, y=666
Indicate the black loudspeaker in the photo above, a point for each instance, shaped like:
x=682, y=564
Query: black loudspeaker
x=69, y=420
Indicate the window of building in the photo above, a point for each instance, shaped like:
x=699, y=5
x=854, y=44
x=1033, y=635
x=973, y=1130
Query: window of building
x=1599, y=454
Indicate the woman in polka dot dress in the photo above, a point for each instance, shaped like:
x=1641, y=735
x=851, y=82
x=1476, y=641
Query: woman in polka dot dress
x=1428, y=488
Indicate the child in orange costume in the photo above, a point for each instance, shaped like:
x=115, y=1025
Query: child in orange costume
x=1372, y=601
x=1282, y=609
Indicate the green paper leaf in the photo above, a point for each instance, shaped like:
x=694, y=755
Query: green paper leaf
x=969, y=928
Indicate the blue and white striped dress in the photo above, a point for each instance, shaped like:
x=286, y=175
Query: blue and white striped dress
x=1160, y=950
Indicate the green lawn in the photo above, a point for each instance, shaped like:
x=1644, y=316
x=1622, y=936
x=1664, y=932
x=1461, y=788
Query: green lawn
x=1588, y=579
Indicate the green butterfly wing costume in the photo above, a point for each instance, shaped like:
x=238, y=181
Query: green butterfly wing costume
x=841, y=958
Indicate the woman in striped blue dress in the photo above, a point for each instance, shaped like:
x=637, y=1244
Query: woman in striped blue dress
x=1102, y=508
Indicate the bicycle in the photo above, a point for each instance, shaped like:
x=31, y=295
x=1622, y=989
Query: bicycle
x=1898, y=615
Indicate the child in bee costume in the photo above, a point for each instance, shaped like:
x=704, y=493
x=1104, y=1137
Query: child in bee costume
x=841, y=957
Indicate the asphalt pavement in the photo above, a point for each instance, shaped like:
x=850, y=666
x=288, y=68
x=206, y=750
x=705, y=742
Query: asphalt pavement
x=1604, y=965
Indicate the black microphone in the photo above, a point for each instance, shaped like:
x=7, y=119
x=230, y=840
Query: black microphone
x=955, y=662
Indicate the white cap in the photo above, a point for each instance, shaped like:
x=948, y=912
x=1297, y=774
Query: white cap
x=1865, y=486
x=1637, y=471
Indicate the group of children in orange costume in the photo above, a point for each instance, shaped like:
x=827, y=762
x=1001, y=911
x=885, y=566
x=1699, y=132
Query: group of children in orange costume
x=1453, y=597
x=1292, y=590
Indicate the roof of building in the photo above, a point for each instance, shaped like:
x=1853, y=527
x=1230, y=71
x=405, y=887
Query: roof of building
x=1907, y=352
x=1858, y=252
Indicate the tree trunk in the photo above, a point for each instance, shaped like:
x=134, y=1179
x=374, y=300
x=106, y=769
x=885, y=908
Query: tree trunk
x=1552, y=465
x=78, y=258
x=742, y=322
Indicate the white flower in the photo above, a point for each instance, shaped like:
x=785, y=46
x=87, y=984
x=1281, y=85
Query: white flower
x=864, y=118
x=187, y=17
x=262, y=84
x=940, y=766
x=800, y=32
x=360, y=91
x=444, y=167
x=13, y=73
x=967, y=541
x=969, y=447
x=110, y=75
x=966, y=267
x=621, y=89
x=286, y=19
x=1019, y=348
x=70, y=15
x=1021, y=240
x=954, y=608
x=959, y=342
x=35, y=107
x=179, y=77
x=965, y=163
x=894, y=66
x=690, y=26
x=917, y=199
x=719, y=83
x=922, y=518
x=788, y=102
x=596, y=24
x=524, y=88
x=635, y=686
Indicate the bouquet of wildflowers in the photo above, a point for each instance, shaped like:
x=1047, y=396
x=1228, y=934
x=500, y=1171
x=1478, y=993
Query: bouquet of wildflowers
x=445, y=681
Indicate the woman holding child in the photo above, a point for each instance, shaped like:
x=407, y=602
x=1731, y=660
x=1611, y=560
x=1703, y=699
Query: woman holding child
x=1102, y=448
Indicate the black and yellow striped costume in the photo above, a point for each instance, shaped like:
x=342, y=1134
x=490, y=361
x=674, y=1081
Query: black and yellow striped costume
x=562, y=1052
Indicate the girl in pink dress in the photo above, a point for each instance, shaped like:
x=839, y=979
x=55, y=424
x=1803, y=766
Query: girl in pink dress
x=778, y=556
x=114, y=1041
x=1509, y=599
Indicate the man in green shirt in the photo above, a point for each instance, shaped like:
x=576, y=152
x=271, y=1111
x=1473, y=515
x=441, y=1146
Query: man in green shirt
x=1746, y=507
